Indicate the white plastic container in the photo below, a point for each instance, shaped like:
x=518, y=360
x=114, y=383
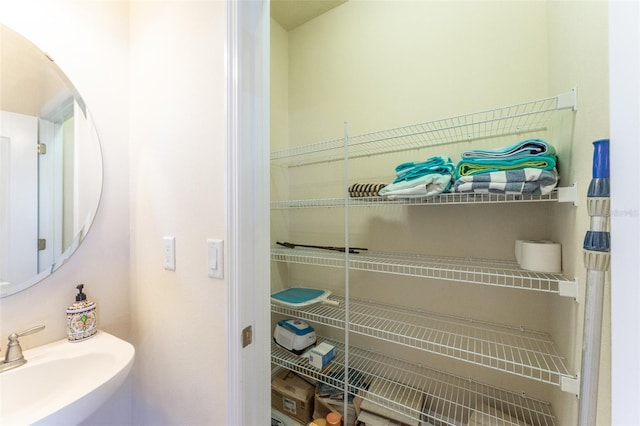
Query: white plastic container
x=294, y=335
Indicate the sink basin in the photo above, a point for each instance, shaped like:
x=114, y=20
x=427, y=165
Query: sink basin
x=63, y=382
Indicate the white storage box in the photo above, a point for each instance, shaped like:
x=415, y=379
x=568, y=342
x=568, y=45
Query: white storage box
x=321, y=355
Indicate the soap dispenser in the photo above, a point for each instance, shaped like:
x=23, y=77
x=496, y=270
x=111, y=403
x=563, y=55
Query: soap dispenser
x=81, y=318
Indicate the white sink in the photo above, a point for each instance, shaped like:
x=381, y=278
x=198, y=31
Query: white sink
x=63, y=382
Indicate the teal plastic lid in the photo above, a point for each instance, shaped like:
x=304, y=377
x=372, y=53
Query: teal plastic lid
x=300, y=296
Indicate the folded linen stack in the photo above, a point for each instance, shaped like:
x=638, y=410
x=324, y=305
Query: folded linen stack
x=526, y=167
x=422, y=179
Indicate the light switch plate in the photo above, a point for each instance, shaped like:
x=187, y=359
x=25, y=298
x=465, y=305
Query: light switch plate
x=215, y=258
x=169, y=253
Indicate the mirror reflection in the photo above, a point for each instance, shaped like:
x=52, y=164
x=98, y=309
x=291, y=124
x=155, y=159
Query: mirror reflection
x=50, y=165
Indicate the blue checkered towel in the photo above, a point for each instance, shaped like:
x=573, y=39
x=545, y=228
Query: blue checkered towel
x=523, y=181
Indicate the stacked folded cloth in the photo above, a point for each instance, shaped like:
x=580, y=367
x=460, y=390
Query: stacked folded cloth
x=526, y=167
x=423, y=179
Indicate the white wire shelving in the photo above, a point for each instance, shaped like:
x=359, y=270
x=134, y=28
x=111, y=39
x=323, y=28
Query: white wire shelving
x=525, y=353
x=515, y=119
x=465, y=270
x=447, y=198
x=418, y=392
x=408, y=389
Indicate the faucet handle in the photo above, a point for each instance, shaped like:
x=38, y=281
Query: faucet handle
x=27, y=331
x=14, y=351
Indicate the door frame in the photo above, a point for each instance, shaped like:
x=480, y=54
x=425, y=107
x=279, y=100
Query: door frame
x=624, y=110
x=248, y=216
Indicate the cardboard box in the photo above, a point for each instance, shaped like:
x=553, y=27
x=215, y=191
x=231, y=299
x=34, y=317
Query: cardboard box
x=292, y=395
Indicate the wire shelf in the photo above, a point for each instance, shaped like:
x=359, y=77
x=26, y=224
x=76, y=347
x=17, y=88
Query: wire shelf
x=418, y=392
x=514, y=119
x=466, y=270
x=448, y=198
x=529, y=354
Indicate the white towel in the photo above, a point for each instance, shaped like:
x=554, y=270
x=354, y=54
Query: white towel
x=422, y=187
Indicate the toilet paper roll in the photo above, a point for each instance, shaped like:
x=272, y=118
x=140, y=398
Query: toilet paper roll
x=518, y=250
x=539, y=256
x=518, y=247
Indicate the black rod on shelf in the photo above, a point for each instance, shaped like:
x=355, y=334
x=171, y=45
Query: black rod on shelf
x=333, y=248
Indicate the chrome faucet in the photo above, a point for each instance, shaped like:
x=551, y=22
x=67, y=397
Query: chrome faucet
x=14, y=358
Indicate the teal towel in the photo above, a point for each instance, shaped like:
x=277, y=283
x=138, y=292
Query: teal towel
x=434, y=165
x=523, y=149
x=473, y=166
x=532, y=153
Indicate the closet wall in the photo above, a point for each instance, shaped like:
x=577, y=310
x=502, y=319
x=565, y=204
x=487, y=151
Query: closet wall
x=578, y=55
x=381, y=65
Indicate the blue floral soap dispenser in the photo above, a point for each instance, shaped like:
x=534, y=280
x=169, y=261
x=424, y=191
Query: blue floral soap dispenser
x=81, y=318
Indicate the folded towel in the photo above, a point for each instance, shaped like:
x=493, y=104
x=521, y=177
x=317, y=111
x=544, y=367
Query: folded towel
x=421, y=187
x=522, y=149
x=421, y=179
x=409, y=171
x=524, y=181
x=528, y=153
x=473, y=166
x=365, y=189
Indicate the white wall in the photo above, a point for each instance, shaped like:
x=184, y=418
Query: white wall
x=578, y=55
x=178, y=159
x=279, y=133
x=153, y=75
x=410, y=61
x=92, y=51
x=89, y=42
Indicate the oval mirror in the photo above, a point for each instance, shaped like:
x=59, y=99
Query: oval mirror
x=50, y=165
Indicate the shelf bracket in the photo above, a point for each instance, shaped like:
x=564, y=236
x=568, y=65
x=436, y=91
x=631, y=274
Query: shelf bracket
x=568, y=100
x=568, y=194
x=568, y=288
x=570, y=384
